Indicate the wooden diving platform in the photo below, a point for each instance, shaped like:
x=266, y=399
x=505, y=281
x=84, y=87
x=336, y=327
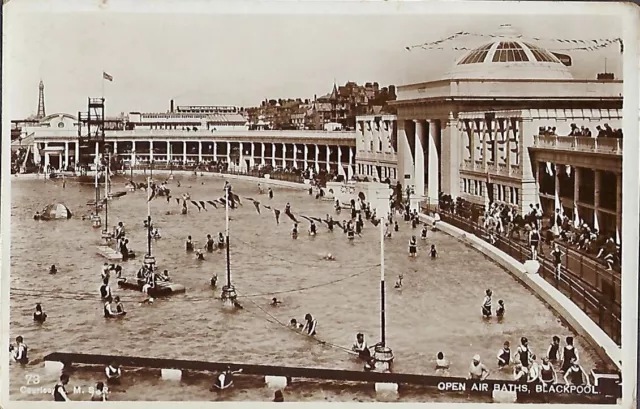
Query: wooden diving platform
x=108, y=253
x=606, y=386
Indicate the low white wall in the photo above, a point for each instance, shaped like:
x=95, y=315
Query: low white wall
x=578, y=320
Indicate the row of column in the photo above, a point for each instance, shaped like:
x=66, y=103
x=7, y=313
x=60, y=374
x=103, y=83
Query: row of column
x=422, y=168
x=596, y=193
x=350, y=161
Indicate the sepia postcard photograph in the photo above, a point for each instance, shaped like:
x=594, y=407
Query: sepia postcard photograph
x=319, y=202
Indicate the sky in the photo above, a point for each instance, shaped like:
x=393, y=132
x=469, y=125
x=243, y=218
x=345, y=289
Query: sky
x=241, y=59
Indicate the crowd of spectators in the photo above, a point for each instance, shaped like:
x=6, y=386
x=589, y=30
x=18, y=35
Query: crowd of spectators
x=604, y=131
x=503, y=219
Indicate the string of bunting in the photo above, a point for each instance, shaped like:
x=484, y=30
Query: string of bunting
x=234, y=201
x=573, y=44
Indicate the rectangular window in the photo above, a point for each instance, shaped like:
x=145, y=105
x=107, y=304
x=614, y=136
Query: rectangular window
x=515, y=196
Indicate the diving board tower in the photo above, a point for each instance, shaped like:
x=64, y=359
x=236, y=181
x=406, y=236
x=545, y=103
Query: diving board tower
x=90, y=134
x=379, y=194
x=149, y=260
x=228, y=295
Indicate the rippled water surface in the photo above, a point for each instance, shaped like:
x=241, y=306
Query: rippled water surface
x=438, y=308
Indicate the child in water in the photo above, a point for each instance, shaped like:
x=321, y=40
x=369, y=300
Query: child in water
x=433, y=252
x=413, y=247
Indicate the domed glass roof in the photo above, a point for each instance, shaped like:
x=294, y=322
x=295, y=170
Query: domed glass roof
x=509, y=57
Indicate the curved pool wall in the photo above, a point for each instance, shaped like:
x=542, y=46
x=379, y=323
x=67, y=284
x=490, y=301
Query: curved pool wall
x=575, y=317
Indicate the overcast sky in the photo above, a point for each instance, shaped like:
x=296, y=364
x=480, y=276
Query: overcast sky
x=242, y=59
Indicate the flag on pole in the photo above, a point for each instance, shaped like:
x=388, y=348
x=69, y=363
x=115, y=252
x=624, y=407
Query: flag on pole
x=549, y=170
x=576, y=217
x=107, y=76
x=596, y=225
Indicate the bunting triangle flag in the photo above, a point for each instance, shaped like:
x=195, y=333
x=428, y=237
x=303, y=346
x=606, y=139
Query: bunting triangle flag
x=549, y=170
x=558, y=205
x=596, y=225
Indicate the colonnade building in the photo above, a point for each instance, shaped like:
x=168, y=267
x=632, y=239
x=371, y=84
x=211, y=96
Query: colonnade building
x=474, y=133
x=55, y=143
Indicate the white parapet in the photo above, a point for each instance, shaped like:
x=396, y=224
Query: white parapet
x=53, y=366
x=276, y=382
x=171, y=374
x=532, y=266
x=382, y=387
x=504, y=396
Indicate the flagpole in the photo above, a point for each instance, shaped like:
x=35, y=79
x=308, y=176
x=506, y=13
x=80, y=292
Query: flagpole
x=103, y=71
x=149, y=217
x=227, y=234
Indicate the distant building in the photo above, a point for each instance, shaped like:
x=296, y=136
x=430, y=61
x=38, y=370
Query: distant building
x=376, y=147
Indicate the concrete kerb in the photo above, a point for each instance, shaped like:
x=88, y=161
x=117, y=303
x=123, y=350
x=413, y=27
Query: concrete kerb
x=578, y=320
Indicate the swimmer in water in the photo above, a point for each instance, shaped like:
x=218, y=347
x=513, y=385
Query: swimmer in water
x=214, y=280
x=164, y=276
x=220, y=241
x=105, y=290
x=294, y=231
x=329, y=257
x=210, y=243
x=504, y=355
x=413, y=248
x=310, y=325
x=53, y=269
x=295, y=324
x=500, y=310
x=156, y=234
x=275, y=302
x=486, y=304
x=396, y=228
x=312, y=229
x=36, y=216
x=399, y=282
x=99, y=393
x=270, y=193
x=119, y=306
x=39, y=315
x=433, y=252
x=19, y=351
x=199, y=255
x=260, y=189
x=442, y=362
x=423, y=233
x=360, y=346
x=189, y=244
x=477, y=370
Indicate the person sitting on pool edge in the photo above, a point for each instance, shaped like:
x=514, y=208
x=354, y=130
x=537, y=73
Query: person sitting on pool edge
x=113, y=373
x=360, y=346
x=225, y=379
x=442, y=362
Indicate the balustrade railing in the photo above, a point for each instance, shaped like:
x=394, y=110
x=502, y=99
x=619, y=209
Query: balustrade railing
x=579, y=143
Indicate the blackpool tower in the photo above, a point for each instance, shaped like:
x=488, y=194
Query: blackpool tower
x=41, y=113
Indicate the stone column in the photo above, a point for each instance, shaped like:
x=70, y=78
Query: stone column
x=350, y=169
x=340, y=168
x=228, y=152
x=66, y=156
x=596, y=197
x=284, y=155
x=184, y=152
x=405, y=159
x=295, y=156
x=317, y=165
x=576, y=190
x=150, y=151
x=262, y=160
x=168, y=152
x=199, y=151
x=76, y=158
x=133, y=153
x=328, y=159
x=450, y=144
x=115, y=148
x=306, y=156
x=273, y=155
x=419, y=170
x=215, y=151
x=252, y=159
x=619, y=204
x=434, y=165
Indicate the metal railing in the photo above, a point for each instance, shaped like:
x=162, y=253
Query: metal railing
x=596, y=290
x=579, y=143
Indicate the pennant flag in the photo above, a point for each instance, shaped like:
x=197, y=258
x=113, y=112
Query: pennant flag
x=596, y=225
x=558, y=205
x=107, y=76
x=277, y=213
x=549, y=170
x=257, y=205
x=212, y=203
x=202, y=205
x=193, y=202
x=292, y=217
